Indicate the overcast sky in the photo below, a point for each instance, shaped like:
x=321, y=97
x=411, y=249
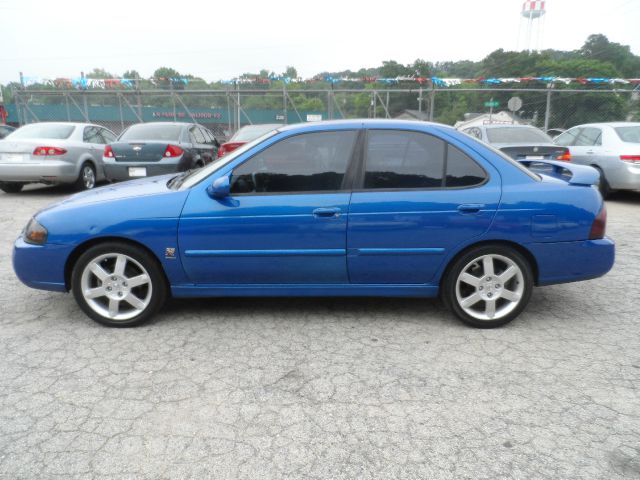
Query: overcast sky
x=220, y=40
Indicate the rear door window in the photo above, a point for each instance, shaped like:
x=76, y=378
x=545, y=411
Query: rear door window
x=92, y=135
x=589, y=137
x=396, y=159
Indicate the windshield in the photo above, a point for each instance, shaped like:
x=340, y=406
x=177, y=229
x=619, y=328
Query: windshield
x=250, y=132
x=57, y=131
x=196, y=176
x=517, y=135
x=152, y=131
x=629, y=134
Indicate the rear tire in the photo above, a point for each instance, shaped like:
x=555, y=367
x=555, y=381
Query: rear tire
x=118, y=285
x=603, y=184
x=488, y=286
x=87, y=177
x=11, y=187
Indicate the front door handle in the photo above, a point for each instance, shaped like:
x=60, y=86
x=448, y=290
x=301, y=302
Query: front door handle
x=470, y=207
x=590, y=152
x=327, y=212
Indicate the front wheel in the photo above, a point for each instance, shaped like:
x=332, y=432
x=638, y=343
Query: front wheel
x=118, y=285
x=488, y=286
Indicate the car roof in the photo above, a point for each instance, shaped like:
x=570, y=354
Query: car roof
x=610, y=124
x=508, y=125
x=364, y=122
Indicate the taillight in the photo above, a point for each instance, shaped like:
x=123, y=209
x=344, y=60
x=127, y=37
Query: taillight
x=47, y=151
x=565, y=157
x=108, y=152
x=630, y=158
x=228, y=147
x=173, y=151
x=599, y=224
x=222, y=150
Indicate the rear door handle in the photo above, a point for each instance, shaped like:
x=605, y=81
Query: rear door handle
x=327, y=212
x=470, y=207
x=590, y=152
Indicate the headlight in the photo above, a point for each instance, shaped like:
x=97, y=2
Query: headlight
x=35, y=233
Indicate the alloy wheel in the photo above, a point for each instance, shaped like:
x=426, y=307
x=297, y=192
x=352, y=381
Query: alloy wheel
x=116, y=286
x=490, y=287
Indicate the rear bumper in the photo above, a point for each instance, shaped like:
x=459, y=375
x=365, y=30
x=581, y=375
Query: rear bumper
x=625, y=177
x=51, y=171
x=120, y=170
x=562, y=262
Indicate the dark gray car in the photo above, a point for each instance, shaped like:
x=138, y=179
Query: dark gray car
x=148, y=149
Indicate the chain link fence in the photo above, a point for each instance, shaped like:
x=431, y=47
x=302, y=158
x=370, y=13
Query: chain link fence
x=224, y=111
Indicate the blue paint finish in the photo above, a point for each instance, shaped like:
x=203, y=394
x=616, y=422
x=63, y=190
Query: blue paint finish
x=382, y=243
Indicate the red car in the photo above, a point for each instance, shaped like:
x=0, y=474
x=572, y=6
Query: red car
x=244, y=135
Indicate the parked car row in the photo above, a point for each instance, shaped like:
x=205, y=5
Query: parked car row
x=82, y=154
x=611, y=148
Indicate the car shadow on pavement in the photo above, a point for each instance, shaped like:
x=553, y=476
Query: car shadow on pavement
x=630, y=197
x=399, y=309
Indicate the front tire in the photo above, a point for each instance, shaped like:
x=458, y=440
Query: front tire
x=87, y=177
x=118, y=285
x=488, y=286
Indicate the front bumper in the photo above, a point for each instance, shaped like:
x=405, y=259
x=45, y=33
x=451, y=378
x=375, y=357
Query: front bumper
x=562, y=262
x=40, y=266
x=51, y=171
x=120, y=170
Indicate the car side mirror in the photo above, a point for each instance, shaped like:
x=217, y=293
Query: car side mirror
x=220, y=188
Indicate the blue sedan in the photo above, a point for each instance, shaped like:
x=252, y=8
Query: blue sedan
x=349, y=208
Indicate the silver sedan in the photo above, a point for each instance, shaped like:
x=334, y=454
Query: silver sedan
x=613, y=148
x=53, y=153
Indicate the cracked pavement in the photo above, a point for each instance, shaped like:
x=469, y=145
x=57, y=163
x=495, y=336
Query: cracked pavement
x=323, y=388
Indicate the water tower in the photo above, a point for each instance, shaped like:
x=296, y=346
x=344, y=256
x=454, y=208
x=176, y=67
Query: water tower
x=533, y=15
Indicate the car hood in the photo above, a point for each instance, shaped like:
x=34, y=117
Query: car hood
x=120, y=191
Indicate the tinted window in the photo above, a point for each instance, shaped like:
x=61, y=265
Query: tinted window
x=397, y=159
x=205, y=135
x=56, y=131
x=462, y=170
x=629, y=134
x=588, y=137
x=567, y=137
x=303, y=163
x=107, y=135
x=152, y=131
x=92, y=135
x=474, y=132
x=517, y=135
x=196, y=135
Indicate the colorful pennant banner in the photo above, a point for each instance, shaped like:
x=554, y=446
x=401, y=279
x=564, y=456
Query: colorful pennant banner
x=83, y=83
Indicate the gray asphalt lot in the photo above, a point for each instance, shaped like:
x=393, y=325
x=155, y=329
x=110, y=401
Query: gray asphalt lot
x=323, y=388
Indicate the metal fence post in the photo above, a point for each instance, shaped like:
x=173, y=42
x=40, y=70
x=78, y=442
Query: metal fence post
x=547, y=112
x=284, y=104
x=432, y=101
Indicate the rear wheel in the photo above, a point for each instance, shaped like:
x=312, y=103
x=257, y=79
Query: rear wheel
x=118, y=285
x=11, y=187
x=603, y=184
x=87, y=177
x=488, y=286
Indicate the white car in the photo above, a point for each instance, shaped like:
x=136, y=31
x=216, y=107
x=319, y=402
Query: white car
x=53, y=152
x=613, y=148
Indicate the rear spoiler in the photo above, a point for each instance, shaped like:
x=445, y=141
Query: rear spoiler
x=580, y=174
